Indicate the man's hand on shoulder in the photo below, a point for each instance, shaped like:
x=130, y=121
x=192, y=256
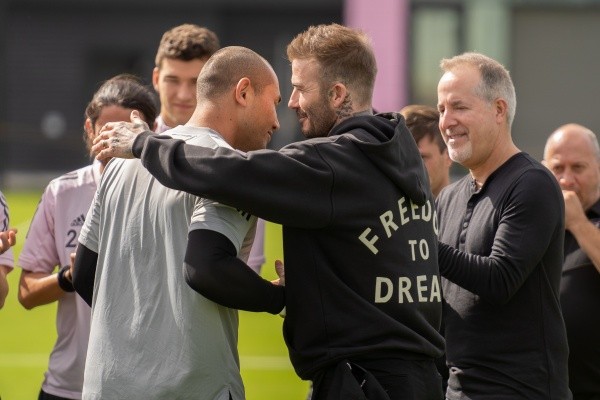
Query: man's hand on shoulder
x=115, y=139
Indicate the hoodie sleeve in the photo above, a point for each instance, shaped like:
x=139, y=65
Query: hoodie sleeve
x=290, y=187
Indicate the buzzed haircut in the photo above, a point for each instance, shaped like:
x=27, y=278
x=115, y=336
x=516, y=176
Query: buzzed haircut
x=227, y=66
x=495, y=79
x=423, y=121
x=345, y=55
x=187, y=42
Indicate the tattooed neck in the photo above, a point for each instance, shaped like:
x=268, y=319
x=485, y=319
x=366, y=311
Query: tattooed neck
x=346, y=110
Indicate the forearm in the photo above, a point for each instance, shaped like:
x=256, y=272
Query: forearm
x=38, y=288
x=84, y=273
x=588, y=238
x=487, y=277
x=213, y=270
x=500, y=261
x=268, y=184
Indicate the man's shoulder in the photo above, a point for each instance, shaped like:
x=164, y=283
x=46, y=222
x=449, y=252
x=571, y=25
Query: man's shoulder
x=74, y=180
x=522, y=169
x=198, y=136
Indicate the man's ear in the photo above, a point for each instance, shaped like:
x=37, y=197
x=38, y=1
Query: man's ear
x=89, y=129
x=243, y=91
x=155, y=74
x=338, y=94
x=501, y=109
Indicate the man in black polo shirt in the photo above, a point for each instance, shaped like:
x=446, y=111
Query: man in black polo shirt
x=573, y=156
x=501, y=234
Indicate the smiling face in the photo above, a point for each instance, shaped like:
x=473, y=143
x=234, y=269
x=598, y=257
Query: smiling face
x=175, y=83
x=308, y=99
x=469, y=123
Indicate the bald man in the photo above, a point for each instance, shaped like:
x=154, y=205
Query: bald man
x=573, y=156
x=152, y=335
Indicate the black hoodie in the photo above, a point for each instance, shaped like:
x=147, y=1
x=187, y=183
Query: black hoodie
x=359, y=234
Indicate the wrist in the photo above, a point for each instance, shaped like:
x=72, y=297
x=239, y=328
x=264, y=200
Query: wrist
x=64, y=279
x=138, y=144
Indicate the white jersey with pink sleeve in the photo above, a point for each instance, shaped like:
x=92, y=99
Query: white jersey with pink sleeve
x=51, y=238
x=7, y=257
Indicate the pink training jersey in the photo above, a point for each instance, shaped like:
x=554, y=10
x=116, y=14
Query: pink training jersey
x=52, y=237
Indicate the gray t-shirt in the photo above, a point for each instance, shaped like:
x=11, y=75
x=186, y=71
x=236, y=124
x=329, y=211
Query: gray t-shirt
x=152, y=336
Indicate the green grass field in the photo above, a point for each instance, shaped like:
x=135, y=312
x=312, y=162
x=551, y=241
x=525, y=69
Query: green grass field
x=26, y=337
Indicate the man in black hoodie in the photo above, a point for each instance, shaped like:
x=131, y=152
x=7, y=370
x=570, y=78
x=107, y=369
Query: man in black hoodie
x=363, y=295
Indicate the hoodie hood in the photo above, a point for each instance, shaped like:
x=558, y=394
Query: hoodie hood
x=387, y=142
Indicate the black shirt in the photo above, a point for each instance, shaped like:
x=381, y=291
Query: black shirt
x=500, y=260
x=580, y=301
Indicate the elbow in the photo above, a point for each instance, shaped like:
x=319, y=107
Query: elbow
x=25, y=300
x=193, y=280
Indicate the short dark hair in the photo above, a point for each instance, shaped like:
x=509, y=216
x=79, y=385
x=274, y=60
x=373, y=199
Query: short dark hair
x=187, y=42
x=423, y=121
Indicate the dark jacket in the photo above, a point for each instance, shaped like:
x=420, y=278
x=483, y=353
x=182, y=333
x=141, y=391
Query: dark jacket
x=359, y=234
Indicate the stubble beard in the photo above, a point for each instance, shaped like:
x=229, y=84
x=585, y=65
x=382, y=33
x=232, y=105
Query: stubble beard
x=320, y=120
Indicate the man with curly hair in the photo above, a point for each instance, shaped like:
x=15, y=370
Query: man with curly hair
x=182, y=52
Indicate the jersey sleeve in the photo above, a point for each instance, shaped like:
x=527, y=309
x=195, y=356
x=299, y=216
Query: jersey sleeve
x=90, y=231
x=39, y=252
x=232, y=223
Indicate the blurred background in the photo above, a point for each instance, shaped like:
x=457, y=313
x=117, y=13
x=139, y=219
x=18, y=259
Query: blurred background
x=54, y=55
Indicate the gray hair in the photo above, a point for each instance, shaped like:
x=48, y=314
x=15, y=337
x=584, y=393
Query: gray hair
x=495, y=79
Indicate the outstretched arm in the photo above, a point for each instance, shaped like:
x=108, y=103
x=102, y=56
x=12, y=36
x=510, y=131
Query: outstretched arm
x=280, y=186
